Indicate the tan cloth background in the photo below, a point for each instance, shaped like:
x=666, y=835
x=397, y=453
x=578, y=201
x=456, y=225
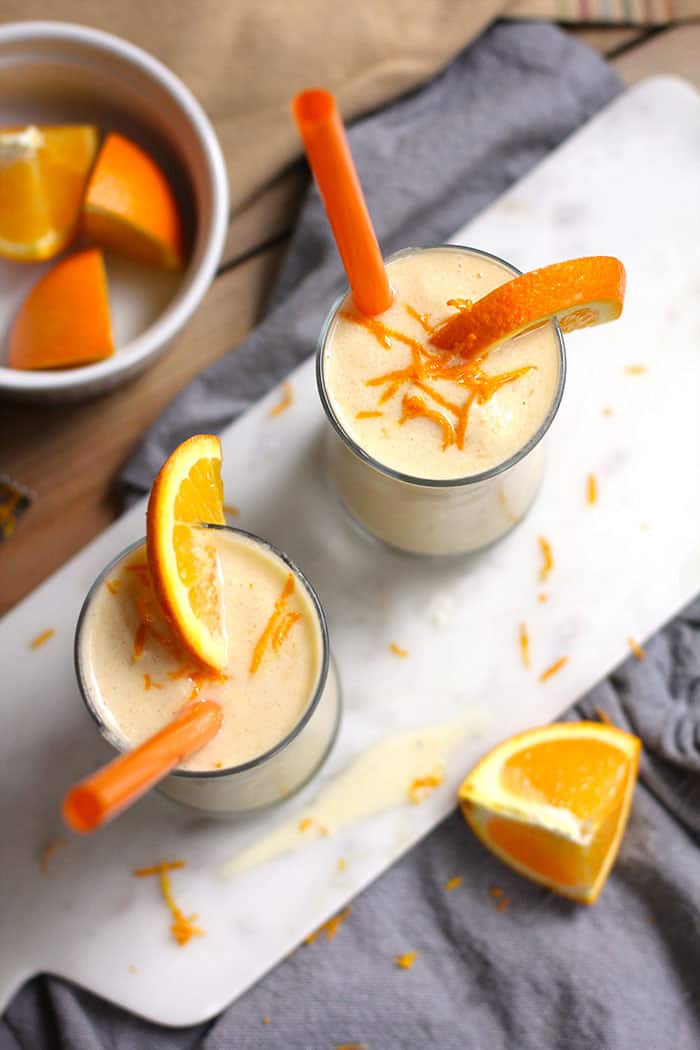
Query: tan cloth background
x=244, y=59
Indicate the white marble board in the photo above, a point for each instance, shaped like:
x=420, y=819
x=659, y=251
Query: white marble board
x=627, y=184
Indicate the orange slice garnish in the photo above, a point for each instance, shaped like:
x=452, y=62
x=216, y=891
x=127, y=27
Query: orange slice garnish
x=578, y=293
x=64, y=321
x=130, y=207
x=553, y=803
x=43, y=172
x=185, y=570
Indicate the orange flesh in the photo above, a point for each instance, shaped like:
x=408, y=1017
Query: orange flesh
x=64, y=321
x=130, y=208
x=567, y=863
x=584, y=776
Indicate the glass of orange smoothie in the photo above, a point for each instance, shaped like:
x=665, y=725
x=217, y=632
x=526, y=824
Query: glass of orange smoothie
x=430, y=454
x=278, y=691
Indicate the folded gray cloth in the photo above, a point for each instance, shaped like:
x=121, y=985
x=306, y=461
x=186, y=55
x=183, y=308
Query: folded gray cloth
x=540, y=972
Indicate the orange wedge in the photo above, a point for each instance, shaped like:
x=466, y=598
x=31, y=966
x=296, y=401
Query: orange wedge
x=185, y=569
x=64, y=321
x=578, y=293
x=553, y=803
x=130, y=207
x=43, y=172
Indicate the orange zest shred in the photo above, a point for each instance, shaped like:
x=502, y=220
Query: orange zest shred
x=182, y=926
x=202, y=676
x=636, y=650
x=547, y=558
x=422, y=319
x=604, y=716
x=607, y=411
x=267, y=1020
x=496, y=891
x=271, y=626
x=431, y=364
x=139, y=640
x=635, y=370
x=285, y=401
x=149, y=683
x=352, y=1046
x=406, y=961
x=113, y=585
x=524, y=645
x=420, y=788
x=342, y=864
x=554, y=668
x=591, y=489
x=233, y=512
x=368, y=415
x=542, y=597
x=155, y=869
x=40, y=639
x=503, y=903
x=305, y=823
x=330, y=927
x=453, y=883
x=283, y=628
x=398, y=651
x=48, y=852
x=414, y=406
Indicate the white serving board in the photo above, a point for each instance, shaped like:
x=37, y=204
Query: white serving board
x=627, y=184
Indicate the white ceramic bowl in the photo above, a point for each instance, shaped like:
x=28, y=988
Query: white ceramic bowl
x=56, y=72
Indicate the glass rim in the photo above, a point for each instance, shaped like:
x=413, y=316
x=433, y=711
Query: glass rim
x=410, y=479
x=209, y=774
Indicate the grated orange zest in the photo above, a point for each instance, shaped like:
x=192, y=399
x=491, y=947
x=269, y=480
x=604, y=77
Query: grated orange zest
x=42, y=638
x=271, y=626
x=554, y=668
x=524, y=644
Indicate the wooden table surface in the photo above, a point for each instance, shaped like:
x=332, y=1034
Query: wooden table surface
x=70, y=455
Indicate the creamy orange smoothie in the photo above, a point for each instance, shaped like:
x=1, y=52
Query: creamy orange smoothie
x=277, y=686
x=437, y=454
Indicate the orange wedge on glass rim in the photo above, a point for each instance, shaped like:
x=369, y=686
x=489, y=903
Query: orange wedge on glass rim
x=130, y=207
x=578, y=293
x=185, y=570
x=553, y=803
x=43, y=172
x=64, y=321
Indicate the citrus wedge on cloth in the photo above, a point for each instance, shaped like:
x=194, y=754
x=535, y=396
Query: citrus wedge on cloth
x=130, y=207
x=43, y=173
x=577, y=293
x=553, y=803
x=187, y=493
x=64, y=321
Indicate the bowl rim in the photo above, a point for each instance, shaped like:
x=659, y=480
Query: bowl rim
x=155, y=337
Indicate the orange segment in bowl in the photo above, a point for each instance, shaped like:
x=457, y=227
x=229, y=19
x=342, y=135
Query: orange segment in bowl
x=64, y=321
x=577, y=293
x=553, y=803
x=130, y=207
x=43, y=172
x=187, y=493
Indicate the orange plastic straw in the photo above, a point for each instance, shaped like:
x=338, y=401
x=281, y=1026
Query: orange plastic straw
x=104, y=794
x=322, y=132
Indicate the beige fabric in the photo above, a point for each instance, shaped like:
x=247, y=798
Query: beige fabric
x=244, y=59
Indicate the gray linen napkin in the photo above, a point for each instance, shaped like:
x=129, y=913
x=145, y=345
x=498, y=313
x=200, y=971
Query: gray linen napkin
x=539, y=973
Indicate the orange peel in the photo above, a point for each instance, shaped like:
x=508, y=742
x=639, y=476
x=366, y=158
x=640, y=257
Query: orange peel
x=577, y=293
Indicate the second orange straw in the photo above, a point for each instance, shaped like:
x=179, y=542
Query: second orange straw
x=322, y=132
